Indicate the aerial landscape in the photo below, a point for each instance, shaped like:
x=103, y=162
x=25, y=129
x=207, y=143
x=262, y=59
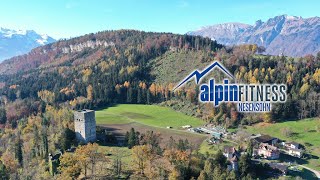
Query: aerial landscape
x=159, y=90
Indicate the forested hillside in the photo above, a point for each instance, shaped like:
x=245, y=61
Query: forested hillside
x=91, y=71
x=129, y=66
x=98, y=70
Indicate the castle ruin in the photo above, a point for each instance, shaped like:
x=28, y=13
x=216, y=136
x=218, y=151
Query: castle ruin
x=85, y=125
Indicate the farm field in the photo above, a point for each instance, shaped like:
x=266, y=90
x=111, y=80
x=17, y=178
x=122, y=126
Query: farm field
x=150, y=115
x=304, y=131
x=121, y=118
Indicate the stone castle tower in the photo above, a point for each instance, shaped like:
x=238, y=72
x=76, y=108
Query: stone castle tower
x=85, y=125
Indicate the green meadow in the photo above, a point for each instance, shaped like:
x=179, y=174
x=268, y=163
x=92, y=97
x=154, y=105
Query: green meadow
x=151, y=115
x=305, y=132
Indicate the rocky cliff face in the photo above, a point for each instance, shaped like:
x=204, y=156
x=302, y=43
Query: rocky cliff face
x=288, y=35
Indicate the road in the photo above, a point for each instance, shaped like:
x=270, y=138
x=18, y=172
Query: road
x=317, y=173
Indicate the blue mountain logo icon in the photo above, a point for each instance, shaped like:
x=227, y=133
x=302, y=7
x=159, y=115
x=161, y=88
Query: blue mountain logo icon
x=199, y=75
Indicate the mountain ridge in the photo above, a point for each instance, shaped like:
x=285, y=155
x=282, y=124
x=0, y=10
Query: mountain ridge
x=284, y=34
x=96, y=46
x=19, y=42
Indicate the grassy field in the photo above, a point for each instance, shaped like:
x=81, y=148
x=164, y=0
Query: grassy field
x=212, y=149
x=303, y=131
x=121, y=118
x=150, y=115
x=113, y=151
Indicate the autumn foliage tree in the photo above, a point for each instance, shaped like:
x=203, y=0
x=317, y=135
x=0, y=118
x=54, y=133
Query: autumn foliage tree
x=47, y=96
x=85, y=157
x=88, y=155
x=69, y=166
x=140, y=155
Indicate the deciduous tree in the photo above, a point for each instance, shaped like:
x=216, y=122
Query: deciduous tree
x=141, y=154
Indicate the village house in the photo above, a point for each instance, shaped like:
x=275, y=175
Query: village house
x=232, y=156
x=268, y=151
x=296, y=152
x=291, y=145
x=265, y=139
x=293, y=149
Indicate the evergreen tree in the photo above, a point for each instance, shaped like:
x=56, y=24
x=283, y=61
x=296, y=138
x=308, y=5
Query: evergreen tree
x=3, y=172
x=244, y=166
x=44, y=138
x=232, y=175
x=139, y=96
x=217, y=172
x=3, y=116
x=208, y=168
x=68, y=137
x=250, y=148
x=36, y=140
x=148, y=97
x=181, y=146
x=18, y=149
x=220, y=159
x=132, y=138
x=129, y=95
x=126, y=139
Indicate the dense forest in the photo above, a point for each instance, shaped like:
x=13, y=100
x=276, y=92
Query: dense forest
x=97, y=76
x=40, y=89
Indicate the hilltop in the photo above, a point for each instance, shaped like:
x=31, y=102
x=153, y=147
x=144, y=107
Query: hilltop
x=107, y=45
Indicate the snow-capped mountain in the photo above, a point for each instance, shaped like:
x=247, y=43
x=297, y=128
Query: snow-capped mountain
x=288, y=35
x=18, y=42
x=223, y=33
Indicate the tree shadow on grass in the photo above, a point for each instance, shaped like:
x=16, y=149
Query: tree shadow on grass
x=304, y=174
x=311, y=156
x=290, y=159
x=110, y=136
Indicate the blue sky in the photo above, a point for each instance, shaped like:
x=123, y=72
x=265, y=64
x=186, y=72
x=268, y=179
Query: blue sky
x=69, y=18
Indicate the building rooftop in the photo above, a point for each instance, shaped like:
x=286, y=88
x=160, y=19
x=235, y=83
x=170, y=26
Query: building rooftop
x=268, y=147
x=296, y=150
x=295, y=143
